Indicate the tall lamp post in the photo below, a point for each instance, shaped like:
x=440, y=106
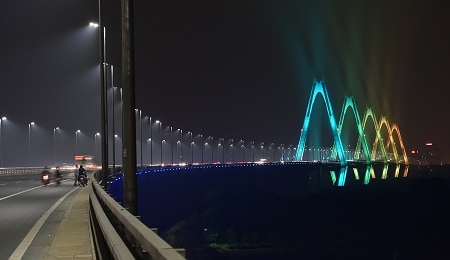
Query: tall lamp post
x=223, y=150
x=1, y=141
x=212, y=149
x=160, y=137
x=253, y=151
x=232, y=151
x=140, y=131
x=192, y=149
x=203, y=146
x=76, y=142
x=104, y=108
x=171, y=143
x=95, y=143
x=114, y=157
x=54, y=141
x=162, y=143
x=151, y=141
x=181, y=143
x=29, y=142
x=113, y=124
x=262, y=150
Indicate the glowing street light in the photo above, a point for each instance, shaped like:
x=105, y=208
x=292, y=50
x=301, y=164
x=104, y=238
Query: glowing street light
x=181, y=143
x=104, y=95
x=29, y=142
x=162, y=143
x=140, y=130
x=114, y=156
x=151, y=141
x=212, y=149
x=232, y=151
x=149, y=144
x=160, y=137
x=171, y=143
x=54, y=141
x=192, y=148
x=1, y=141
x=76, y=141
x=201, y=142
x=95, y=142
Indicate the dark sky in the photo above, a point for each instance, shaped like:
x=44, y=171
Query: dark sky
x=231, y=69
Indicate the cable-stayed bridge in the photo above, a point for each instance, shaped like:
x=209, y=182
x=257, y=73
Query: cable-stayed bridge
x=380, y=151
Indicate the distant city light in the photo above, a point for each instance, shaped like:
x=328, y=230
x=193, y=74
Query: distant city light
x=429, y=144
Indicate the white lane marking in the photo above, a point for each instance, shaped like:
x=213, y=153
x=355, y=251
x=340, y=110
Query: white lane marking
x=12, y=195
x=3, y=183
x=26, y=242
x=18, y=181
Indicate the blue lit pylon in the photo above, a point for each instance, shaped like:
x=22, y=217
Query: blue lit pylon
x=319, y=87
x=349, y=102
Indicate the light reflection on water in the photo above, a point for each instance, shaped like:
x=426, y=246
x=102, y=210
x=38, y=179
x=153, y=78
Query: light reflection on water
x=340, y=178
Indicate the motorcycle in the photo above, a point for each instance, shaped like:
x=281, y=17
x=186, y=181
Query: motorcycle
x=58, y=177
x=82, y=179
x=45, y=178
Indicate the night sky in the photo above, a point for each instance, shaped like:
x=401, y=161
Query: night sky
x=227, y=69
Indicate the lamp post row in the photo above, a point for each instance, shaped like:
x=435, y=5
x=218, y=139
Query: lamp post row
x=221, y=142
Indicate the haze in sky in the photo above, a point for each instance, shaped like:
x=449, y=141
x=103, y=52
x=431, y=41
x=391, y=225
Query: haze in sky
x=228, y=69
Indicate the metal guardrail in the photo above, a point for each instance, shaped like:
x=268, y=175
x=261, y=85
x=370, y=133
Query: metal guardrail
x=120, y=235
x=20, y=170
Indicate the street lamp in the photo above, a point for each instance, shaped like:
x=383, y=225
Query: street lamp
x=212, y=149
x=223, y=149
x=54, y=141
x=160, y=137
x=113, y=116
x=151, y=141
x=1, y=141
x=181, y=144
x=232, y=151
x=192, y=149
x=162, y=143
x=242, y=149
x=253, y=151
x=114, y=157
x=95, y=143
x=262, y=150
x=76, y=141
x=171, y=143
x=29, y=142
x=206, y=144
x=104, y=107
x=140, y=127
x=201, y=142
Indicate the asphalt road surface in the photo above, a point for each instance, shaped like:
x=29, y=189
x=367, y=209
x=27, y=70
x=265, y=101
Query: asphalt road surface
x=25, y=204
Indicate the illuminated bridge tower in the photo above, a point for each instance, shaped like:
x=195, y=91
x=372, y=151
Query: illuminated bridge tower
x=319, y=88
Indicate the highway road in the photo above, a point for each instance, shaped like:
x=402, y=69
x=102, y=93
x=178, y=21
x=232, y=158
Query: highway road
x=25, y=206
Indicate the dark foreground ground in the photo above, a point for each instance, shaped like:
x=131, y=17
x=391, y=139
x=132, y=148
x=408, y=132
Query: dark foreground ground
x=396, y=218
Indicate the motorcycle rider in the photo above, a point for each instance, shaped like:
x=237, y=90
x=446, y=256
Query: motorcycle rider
x=45, y=172
x=81, y=174
x=58, y=175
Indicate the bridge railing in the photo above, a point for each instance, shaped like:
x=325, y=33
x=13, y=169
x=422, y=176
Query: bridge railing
x=120, y=235
x=20, y=170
